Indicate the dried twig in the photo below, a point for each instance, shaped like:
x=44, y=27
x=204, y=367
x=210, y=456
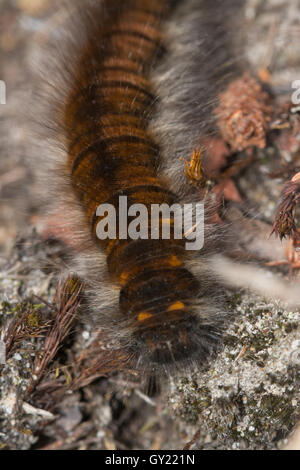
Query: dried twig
x=67, y=299
x=28, y=325
x=192, y=442
x=285, y=225
x=95, y=362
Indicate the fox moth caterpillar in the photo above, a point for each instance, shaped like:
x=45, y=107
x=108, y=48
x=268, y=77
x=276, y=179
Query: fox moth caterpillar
x=134, y=96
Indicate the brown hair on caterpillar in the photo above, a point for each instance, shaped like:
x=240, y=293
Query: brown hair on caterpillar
x=158, y=300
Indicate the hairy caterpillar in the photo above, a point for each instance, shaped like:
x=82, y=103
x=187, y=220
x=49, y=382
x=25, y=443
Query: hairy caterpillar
x=126, y=118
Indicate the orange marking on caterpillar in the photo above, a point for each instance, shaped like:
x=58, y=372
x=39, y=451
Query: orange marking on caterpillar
x=144, y=316
x=176, y=306
x=175, y=261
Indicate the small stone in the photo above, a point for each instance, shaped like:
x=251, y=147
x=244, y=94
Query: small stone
x=86, y=335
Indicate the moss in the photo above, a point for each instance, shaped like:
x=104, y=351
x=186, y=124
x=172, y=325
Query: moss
x=193, y=406
x=231, y=340
x=33, y=319
x=289, y=327
x=5, y=306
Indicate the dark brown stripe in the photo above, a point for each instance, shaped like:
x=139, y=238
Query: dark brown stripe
x=126, y=84
x=117, y=68
x=136, y=34
x=102, y=144
x=90, y=97
x=131, y=253
x=148, y=287
x=93, y=131
x=146, y=188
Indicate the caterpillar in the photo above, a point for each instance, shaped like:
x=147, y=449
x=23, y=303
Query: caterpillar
x=138, y=83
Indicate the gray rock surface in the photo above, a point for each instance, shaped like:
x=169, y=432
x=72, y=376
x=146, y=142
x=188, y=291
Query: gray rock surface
x=247, y=398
